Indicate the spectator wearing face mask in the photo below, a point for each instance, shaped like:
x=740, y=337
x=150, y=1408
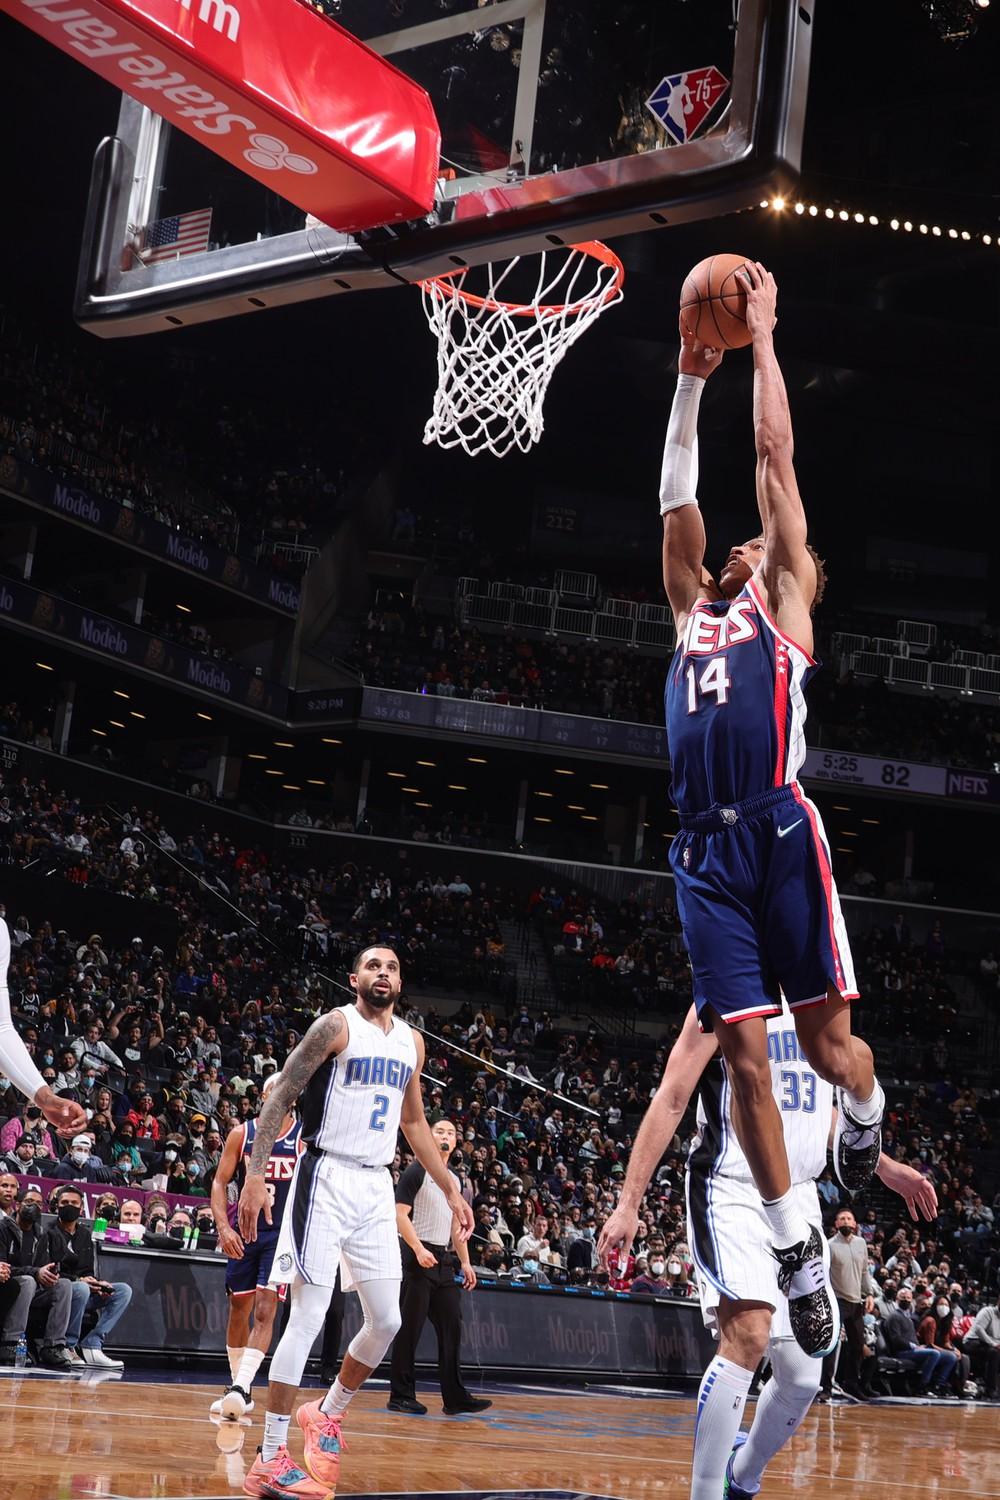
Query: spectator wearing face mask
x=173, y=1147
x=81, y=1165
x=71, y=1245
x=52, y=1294
x=652, y=1280
x=30, y=1123
x=900, y=1330
x=851, y=1280
x=928, y=1336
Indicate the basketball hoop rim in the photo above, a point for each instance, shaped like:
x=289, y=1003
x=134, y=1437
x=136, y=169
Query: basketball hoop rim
x=443, y=285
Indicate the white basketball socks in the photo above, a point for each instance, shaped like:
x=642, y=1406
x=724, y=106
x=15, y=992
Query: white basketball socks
x=788, y=1224
x=275, y=1435
x=337, y=1399
x=866, y=1111
x=235, y=1356
x=721, y=1399
x=249, y=1365
x=781, y=1406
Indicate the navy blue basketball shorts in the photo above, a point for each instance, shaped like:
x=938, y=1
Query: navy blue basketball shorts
x=759, y=908
x=253, y=1269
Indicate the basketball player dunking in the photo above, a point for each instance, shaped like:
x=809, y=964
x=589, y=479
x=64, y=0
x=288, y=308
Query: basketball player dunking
x=357, y=1070
x=755, y=892
x=248, y=1269
x=728, y=1232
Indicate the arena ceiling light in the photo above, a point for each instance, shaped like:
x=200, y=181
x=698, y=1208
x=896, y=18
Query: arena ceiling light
x=102, y=732
x=575, y=807
x=328, y=741
x=876, y=821
x=284, y=744
x=453, y=786
x=116, y=723
x=274, y=773
x=423, y=804
x=314, y=781
x=589, y=818
x=599, y=786
x=135, y=714
x=44, y=666
x=397, y=775
x=414, y=789
x=541, y=820
x=427, y=763
x=544, y=794
x=560, y=771
x=288, y=786
x=118, y=693
x=476, y=760
x=200, y=715
x=184, y=609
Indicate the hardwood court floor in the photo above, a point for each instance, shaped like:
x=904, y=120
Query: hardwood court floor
x=64, y=1438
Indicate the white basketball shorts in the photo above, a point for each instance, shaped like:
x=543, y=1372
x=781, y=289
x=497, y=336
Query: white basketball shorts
x=338, y=1216
x=730, y=1244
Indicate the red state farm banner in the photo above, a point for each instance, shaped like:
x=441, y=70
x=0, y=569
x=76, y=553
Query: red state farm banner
x=279, y=91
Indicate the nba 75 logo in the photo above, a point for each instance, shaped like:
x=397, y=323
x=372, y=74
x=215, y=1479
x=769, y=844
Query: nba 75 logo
x=683, y=102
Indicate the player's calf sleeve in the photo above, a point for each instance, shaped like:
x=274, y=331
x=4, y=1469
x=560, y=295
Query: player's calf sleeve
x=781, y=1406
x=308, y=1314
x=721, y=1399
x=380, y=1302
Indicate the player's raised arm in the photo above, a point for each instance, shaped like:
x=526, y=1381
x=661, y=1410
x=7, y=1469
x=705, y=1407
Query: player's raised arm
x=781, y=511
x=413, y=1123
x=326, y=1035
x=689, y=1057
x=683, y=527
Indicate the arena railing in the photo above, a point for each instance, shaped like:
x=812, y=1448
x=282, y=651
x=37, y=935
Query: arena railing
x=620, y=622
x=915, y=672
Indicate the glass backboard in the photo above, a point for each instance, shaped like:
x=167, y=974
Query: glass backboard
x=561, y=121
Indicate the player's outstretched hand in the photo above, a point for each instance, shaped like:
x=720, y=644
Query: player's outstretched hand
x=254, y=1201
x=463, y=1213
x=916, y=1190
x=762, y=298
x=66, y=1115
x=618, y=1234
x=696, y=358
x=230, y=1243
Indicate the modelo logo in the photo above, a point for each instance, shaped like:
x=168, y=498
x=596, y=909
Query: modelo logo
x=208, y=677
x=77, y=504
x=102, y=634
x=147, y=73
x=6, y=601
x=283, y=594
x=186, y=552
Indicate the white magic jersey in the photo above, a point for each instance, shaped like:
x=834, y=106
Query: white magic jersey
x=804, y=1100
x=351, y=1105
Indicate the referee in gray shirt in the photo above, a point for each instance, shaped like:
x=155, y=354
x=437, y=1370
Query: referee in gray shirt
x=426, y=1227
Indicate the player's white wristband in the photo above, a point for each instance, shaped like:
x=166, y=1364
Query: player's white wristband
x=679, y=475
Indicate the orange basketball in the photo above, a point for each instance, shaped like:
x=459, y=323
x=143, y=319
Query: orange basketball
x=714, y=302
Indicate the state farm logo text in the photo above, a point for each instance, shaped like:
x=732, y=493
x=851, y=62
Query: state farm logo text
x=222, y=18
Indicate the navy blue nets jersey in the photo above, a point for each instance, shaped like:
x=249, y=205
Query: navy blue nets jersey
x=735, y=704
x=280, y=1166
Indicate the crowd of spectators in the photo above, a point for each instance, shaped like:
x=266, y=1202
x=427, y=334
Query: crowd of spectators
x=405, y=648
x=232, y=480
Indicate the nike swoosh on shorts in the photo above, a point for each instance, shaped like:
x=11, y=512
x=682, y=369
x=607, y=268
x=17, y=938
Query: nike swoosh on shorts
x=783, y=831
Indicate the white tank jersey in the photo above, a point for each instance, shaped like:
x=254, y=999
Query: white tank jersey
x=351, y=1105
x=804, y=1100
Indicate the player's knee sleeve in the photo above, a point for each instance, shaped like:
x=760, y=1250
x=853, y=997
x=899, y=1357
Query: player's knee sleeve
x=796, y=1375
x=308, y=1313
x=380, y=1302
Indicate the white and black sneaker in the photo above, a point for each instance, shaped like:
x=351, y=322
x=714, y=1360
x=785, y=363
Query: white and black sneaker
x=812, y=1307
x=856, y=1147
x=235, y=1403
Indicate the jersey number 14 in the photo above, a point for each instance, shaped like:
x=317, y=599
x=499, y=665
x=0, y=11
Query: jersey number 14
x=712, y=679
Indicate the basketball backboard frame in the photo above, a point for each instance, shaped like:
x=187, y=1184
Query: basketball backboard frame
x=753, y=149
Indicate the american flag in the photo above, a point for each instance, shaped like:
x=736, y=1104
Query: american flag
x=181, y=234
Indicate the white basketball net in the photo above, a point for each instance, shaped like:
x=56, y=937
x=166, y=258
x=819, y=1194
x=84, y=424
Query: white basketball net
x=495, y=358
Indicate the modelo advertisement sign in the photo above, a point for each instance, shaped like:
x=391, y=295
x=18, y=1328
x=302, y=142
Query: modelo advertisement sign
x=55, y=616
x=134, y=529
x=179, y=1304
